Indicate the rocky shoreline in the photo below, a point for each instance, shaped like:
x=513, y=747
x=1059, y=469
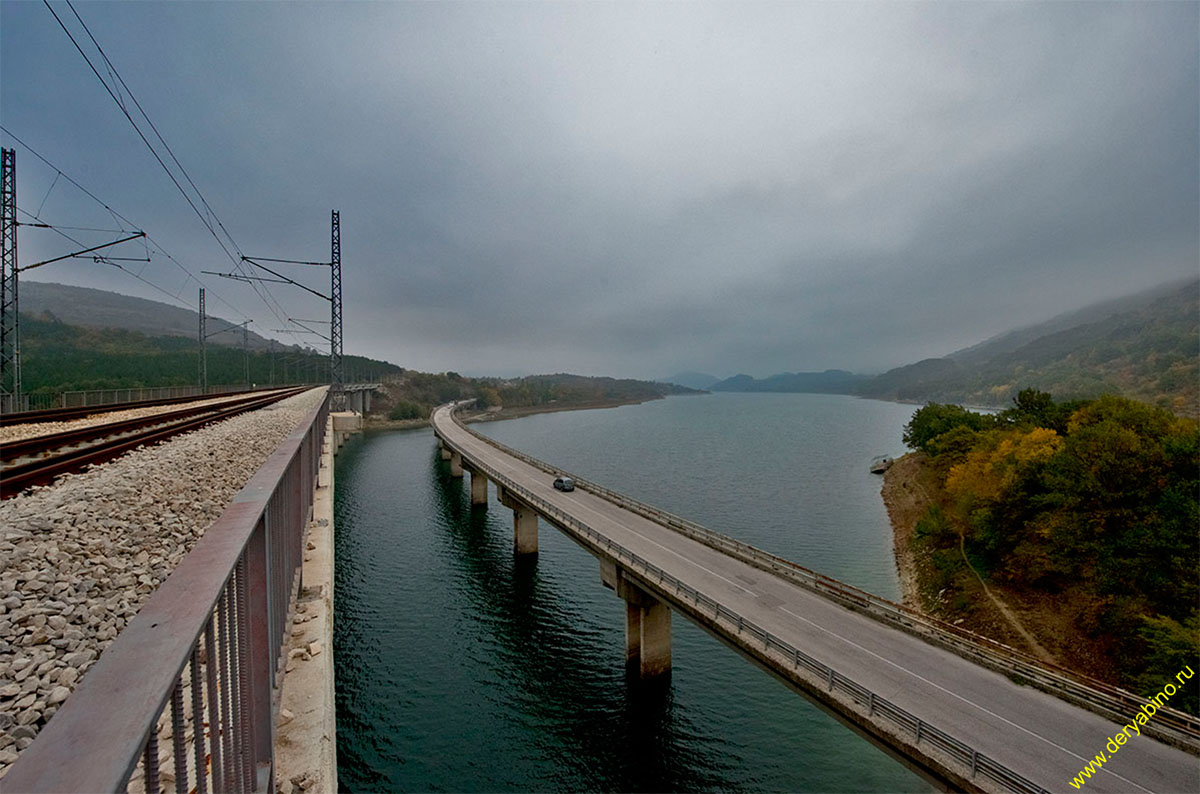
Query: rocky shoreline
x=906, y=500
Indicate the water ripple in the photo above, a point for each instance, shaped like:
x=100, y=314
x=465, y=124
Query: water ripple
x=463, y=669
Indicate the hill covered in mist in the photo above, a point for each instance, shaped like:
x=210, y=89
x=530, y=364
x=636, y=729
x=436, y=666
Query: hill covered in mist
x=1144, y=346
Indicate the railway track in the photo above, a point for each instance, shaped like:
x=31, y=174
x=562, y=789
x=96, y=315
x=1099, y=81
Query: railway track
x=67, y=414
x=39, y=460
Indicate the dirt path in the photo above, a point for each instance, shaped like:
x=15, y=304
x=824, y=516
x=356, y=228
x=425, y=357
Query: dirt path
x=1038, y=649
x=906, y=493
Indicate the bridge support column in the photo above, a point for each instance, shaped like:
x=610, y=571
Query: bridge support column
x=456, y=468
x=648, y=631
x=445, y=450
x=647, y=625
x=525, y=523
x=479, y=495
x=525, y=531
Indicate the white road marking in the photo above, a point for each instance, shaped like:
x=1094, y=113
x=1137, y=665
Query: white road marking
x=953, y=694
x=513, y=470
x=600, y=515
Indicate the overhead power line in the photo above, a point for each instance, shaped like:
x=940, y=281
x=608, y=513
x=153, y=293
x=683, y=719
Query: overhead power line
x=80, y=253
x=113, y=71
x=125, y=225
x=118, y=216
x=210, y=220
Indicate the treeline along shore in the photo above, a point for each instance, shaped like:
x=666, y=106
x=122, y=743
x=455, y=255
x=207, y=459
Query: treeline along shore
x=406, y=400
x=1067, y=529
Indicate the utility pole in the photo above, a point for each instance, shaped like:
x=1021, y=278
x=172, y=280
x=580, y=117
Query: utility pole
x=203, y=349
x=10, y=328
x=335, y=315
x=272, y=362
x=246, y=351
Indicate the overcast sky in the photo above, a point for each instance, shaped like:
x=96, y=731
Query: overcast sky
x=630, y=189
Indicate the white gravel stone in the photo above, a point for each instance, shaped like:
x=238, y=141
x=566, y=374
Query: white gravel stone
x=34, y=429
x=80, y=557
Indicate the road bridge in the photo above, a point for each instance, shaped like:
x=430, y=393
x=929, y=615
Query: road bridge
x=927, y=692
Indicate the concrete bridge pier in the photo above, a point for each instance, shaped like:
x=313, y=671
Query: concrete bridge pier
x=525, y=523
x=479, y=494
x=647, y=625
x=445, y=450
x=456, y=467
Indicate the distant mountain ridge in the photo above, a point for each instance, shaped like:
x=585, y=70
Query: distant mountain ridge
x=1145, y=346
x=692, y=380
x=831, y=381
x=96, y=308
x=1010, y=341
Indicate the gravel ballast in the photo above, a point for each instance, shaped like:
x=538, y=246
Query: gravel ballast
x=37, y=429
x=80, y=557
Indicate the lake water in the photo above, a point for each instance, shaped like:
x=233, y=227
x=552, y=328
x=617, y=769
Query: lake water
x=462, y=669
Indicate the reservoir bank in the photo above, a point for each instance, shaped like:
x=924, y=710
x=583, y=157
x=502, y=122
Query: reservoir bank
x=462, y=669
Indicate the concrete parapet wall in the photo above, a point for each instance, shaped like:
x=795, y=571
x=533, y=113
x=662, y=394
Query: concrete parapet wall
x=344, y=424
x=306, y=737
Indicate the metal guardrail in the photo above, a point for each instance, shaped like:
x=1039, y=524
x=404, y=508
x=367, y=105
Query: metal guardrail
x=854, y=696
x=1171, y=725
x=11, y=403
x=85, y=399
x=209, y=643
x=97, y=397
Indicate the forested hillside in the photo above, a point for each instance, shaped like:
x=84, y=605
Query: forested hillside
x=1082, y=513
x=58, y=357
x=1150, y=353
x=413, y=395
x=97, y=308
x=1144, y=346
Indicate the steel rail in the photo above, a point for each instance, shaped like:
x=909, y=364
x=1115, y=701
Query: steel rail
x=125, y=436
x=780, y=654
x=217, y=626
x=13, y=450
x=78, y=412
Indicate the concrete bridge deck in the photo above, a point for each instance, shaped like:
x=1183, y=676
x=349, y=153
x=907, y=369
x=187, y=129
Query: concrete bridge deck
x=878, y=676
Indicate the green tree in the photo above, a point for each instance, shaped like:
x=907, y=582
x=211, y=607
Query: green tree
x=406, y=410
x=936, y=419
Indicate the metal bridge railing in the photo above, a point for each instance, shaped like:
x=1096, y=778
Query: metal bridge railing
x=1171, y=725
x=86, y=399
x=853, y=695
x=195, y=673
x=97, y=397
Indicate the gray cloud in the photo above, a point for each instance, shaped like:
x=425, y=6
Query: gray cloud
x=634, y=189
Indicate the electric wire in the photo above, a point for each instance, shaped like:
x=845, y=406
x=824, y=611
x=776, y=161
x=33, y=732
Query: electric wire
x=125, y=225
x=113, y=71
x=175, y=297
x=121, y=218
x=113, y=261
x=263, y=292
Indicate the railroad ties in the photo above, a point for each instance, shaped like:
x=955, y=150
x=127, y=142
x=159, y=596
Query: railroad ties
x=39, y=460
